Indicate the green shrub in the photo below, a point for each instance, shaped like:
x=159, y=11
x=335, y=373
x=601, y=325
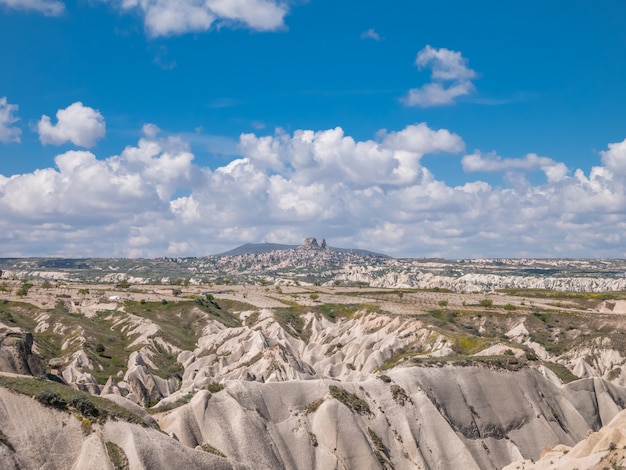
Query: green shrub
x=215, y=387
x=24, y=288
x=486, y=303
x=52, y=399
x=84, y=406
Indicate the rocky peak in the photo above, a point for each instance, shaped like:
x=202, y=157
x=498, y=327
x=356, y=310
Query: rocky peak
x=310, y=242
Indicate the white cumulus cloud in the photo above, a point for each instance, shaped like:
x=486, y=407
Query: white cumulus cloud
x=330, y=155
x=79, y=124
x=171, y=17
x=152, y=199
x=47, y=7
x=477, y=162
x=450, y=78
x=8, y=133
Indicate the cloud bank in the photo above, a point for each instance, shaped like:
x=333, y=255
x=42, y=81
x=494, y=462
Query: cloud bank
x=450, y=78
x=174, y=17
x=79, y=124
x=153, y=199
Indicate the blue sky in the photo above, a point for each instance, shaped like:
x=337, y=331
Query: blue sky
x=187, y=127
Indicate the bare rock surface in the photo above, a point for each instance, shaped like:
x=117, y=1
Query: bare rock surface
x=449, y=417
x=604, y=449
x=38, y=437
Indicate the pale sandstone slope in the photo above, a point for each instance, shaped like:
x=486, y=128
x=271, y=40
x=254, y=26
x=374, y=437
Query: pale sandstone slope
x=38, y=437
x=605, y=449
x=450, y=417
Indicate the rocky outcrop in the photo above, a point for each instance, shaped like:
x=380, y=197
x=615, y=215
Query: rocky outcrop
x=144, y=387
x=604, y=449
x=16, y=354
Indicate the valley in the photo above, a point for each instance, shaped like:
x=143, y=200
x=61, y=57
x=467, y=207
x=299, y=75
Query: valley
x=127, y=371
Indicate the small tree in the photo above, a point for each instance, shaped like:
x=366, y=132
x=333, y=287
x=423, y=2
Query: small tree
x=443, y=303
x=24, y=288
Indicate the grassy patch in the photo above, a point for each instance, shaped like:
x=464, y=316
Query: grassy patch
x=503, y=362
x=313, y=406
x=351, y=400
x=399, y=395
x=401, y=355
x=292, y=321
x=117, y=456
x=335, y=312
x=580, y=299
x=181, y=322
x=381, y=452
x=220, y=311
x=103, y=407
x=561, y=372
x=18, y=314
x=253, y=318
x=166, y=363
x=171, y=406
x=212, y=450
x=215, y=387
x=468, y=345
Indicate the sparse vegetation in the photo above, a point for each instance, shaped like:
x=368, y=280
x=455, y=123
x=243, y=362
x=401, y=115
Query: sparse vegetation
x=173, y=405
x=399, y=395
x=117, y=456
x=58, y=396
x=212, y=450
x=215, y=387
x=84, y=405
x=561, y=372
x=50, y=398
x=351, y=400
x=23, y=289
x=313, y=406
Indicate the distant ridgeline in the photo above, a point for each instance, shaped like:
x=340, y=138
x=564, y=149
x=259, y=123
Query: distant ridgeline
x=319, y=264
x=309, y=243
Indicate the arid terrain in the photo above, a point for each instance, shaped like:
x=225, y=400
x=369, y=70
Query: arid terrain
x=126, y=371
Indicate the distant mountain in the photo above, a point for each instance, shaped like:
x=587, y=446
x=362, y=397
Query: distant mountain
x=257, y=248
